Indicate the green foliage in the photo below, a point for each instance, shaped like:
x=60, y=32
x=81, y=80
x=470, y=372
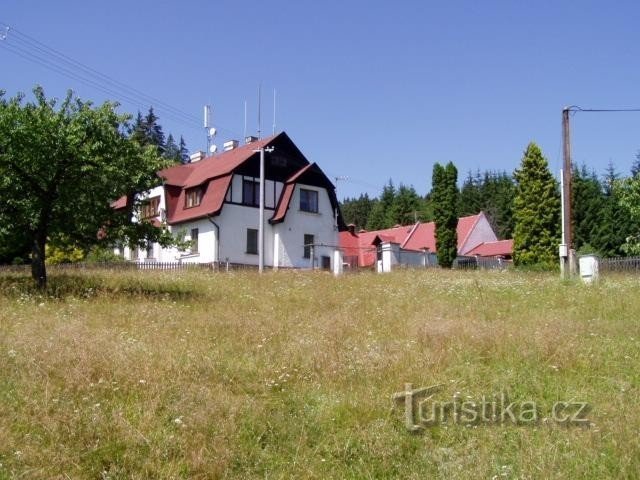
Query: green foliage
x=99, y=254
x=491, y=193
x=357, y=210
x=444, y=194
x=536, y=211
x=171, y=150
x=614, y=223
x=587, y=201
x=380, y=216
x=63, y=253
x=61, y=164
x=405, y=207
x=627, y=192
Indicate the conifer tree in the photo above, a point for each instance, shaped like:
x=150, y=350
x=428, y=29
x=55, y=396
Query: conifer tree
x=356, y=210
x=171, y=150
x=536, y=211
x=380, y=216
x=183, y=152
x=405, y=207
x=444, y=194
x=587, y=203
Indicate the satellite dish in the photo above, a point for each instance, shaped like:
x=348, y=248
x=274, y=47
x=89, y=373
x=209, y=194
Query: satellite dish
x=212, y=132
x=213, y=148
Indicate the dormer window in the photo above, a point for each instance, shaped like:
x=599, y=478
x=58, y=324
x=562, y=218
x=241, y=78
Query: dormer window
x=192, y=197
x=150, y=207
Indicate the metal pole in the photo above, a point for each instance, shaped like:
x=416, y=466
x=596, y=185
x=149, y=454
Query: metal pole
x=261, y=219
x=567, y=238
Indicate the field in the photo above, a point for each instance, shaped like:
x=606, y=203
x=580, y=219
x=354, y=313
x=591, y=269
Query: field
x=292, y=375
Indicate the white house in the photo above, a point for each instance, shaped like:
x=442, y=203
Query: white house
x=214, y=202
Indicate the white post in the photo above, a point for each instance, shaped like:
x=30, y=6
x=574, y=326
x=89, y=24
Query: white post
x=337, y=262
x=261, y=216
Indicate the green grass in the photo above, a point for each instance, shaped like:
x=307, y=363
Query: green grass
x=291, y=374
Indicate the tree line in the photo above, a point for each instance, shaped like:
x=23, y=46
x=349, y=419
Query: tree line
x=523, y=205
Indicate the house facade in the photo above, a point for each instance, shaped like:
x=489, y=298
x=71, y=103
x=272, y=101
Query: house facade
x=214, y=202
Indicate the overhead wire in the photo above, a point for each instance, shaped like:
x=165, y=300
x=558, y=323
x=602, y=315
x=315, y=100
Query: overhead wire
x=36, y=51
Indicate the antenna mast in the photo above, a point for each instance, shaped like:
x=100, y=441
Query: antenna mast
x=274, y=111
x=259, y=107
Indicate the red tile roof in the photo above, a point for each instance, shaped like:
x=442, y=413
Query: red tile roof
x=120, y=203
x=283, y=203
x=501, y=248
x=211, y=204
x=197, y=173
x=415, y=237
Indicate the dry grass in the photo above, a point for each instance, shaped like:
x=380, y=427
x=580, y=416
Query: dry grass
x=195, y=375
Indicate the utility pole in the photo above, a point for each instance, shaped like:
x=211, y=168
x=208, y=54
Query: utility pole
x=261, y=210
x=565, y=246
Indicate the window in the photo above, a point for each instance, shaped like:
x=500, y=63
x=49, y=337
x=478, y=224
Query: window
x=308, y=200
x=252, y=241
x=192, y=197
x=250, y=192
x=194, y=240
x=308, y=242
x=150, y=207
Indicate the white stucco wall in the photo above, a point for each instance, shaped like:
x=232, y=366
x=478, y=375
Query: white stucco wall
x=283, y=242
x=297, y=223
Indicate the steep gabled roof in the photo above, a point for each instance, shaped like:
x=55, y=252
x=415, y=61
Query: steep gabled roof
x=417, y=237
x=195, y=174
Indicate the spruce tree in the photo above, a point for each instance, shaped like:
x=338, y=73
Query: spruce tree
x=470, y=196
x=183, y=151
x=171, y=150
x=587, y=200
x=356, y=210
x=536, y=211
x=444, y=194
x=405, y=207
x=380, y=216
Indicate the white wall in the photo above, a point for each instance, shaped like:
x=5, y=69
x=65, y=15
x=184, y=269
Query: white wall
x=234, y=220
x=283, y=242
x=298, y=223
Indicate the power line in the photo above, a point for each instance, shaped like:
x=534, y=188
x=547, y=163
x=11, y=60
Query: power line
x=575, y=108
x=35, y=51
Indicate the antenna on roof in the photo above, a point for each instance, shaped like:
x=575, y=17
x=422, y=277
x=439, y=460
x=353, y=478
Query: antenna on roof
x=274, y=111
x=245, y=119
x=210, y=131
x=259, y=107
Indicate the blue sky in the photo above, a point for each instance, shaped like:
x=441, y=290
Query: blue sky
x=370, y=90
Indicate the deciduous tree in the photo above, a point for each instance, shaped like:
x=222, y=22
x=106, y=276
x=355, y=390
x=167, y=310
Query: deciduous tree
x=61, y=164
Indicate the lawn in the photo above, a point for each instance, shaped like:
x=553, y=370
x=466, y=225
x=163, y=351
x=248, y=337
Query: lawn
x=292, y=375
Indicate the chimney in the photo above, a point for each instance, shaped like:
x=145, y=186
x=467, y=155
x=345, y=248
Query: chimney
x=352, y=228
x=196, y=157
x=230, y=145
x=250, y=139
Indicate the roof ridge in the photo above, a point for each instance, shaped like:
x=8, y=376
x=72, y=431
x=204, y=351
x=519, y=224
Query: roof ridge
x=406, y=240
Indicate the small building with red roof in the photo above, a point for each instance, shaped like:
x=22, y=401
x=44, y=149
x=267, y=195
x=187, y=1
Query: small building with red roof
x=214, y=203
x=475, y=238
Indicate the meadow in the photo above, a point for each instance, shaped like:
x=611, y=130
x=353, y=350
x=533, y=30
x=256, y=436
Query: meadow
x=292, y=375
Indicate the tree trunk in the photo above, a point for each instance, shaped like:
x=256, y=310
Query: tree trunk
x=38, y=267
